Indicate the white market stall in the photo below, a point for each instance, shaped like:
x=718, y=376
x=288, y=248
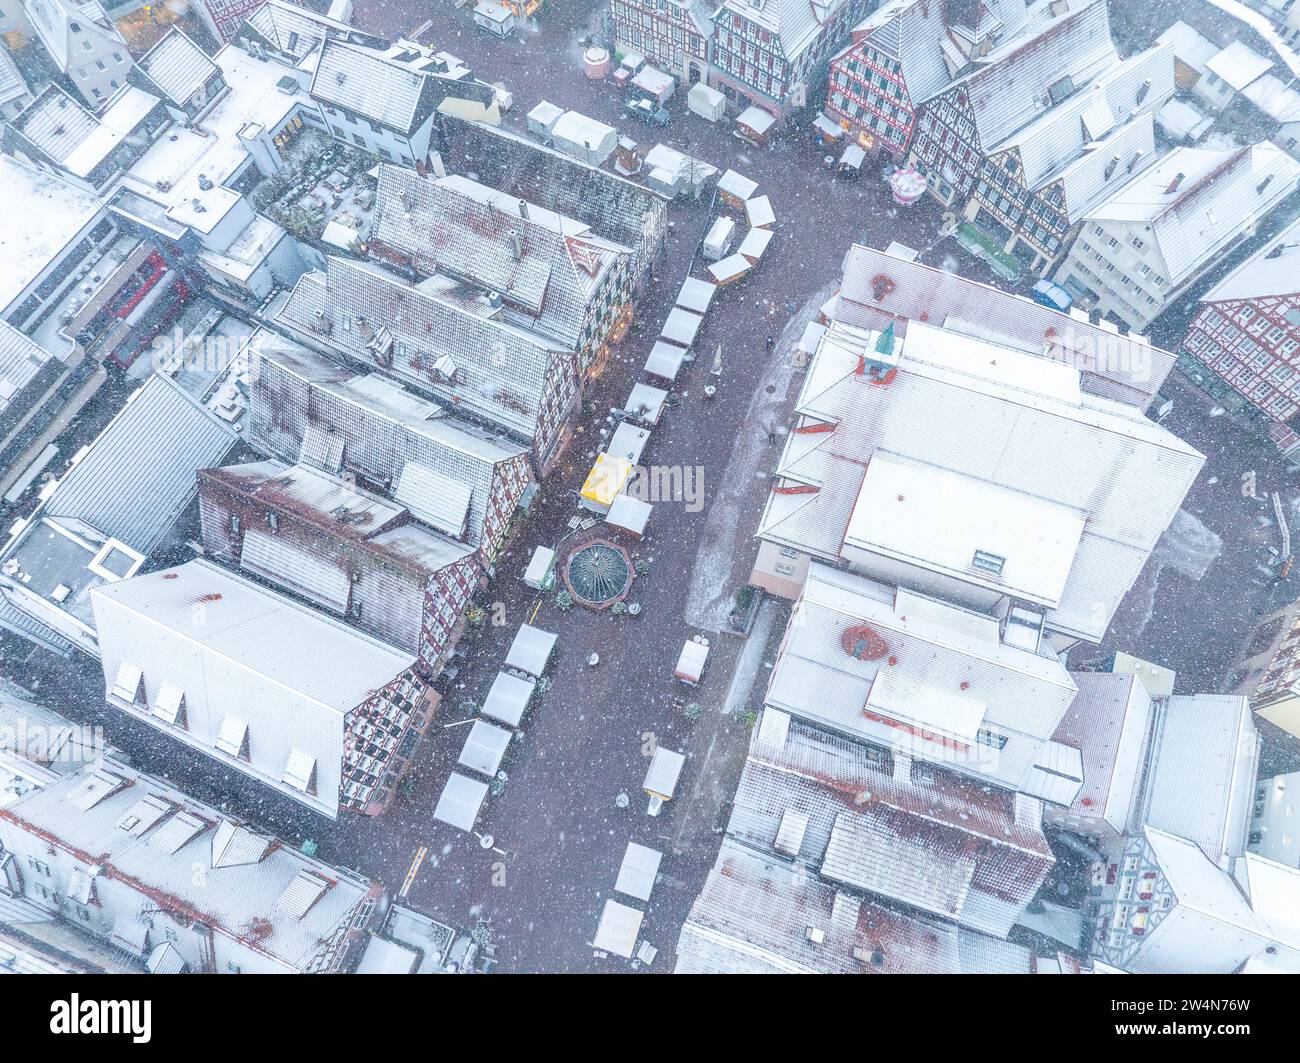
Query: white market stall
x=681, y=327
x=695, y=295
x=665, y=360
x=637, y=873
x=583, y=138
x=461, y=800
x=542, y=119
x=484, y=748
x=717, y=241
x=754, y=244
x=630, y=514
x=655, y=84
x=508, y=699
x=618, y=930
x=730, y=269
x=708, y=103
x=494, y=18
x=852, y=159
x=691, y=661
x=755, y=125
x=540, y=573
x=646, y=403
x=736, y=189
x=628, y=442
x=828, y=130
x=661, y=778
x=759, y=210
x=531, y=650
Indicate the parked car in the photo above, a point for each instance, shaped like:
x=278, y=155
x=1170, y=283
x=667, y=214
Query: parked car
x=1050, y=294
x=647, y=112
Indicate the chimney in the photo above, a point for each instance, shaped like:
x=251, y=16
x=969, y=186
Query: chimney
x=1259, y=188
x=516, y=244
x=523, y=209
x=1110, y=166
x=1173, y=185
x=1137, y=157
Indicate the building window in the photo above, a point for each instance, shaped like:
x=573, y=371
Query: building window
x=986, y=737
x=988, y=562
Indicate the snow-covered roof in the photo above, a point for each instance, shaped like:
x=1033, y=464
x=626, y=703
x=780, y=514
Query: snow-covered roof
x=757, y=914
x=547, y=268
x=919, y=292
x=1183, y=120
x=1190, y=47
x=1237, y=65
x=796, y=24
x=178, y=66
x=444, y=343
x=1199, y=883
x=137, y=477
x=297, y=31
x=1108, y=723
x=1271, y=271
x=934, y=652
x=368, y=84
x=12, y=85
x=1203, y=771
x=1274, y=98
x=1024, y=77
x=999, y=406
x=47, y=215
x=924, y=837
x=1196, y=201
x=158, y=863
x=908, y=31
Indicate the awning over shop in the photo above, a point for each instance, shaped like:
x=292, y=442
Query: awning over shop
x=618, y=930
x=461, y=800
x=636, y=876
x=485, y=746
x=508, y=699
x=531, y=650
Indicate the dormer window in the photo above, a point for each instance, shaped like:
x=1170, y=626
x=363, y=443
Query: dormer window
x=987, y=562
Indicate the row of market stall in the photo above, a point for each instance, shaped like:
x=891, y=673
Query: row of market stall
x=487, y=743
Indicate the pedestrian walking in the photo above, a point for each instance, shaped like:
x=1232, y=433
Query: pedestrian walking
x=771, y=341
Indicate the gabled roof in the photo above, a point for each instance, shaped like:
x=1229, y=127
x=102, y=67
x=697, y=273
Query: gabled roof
x=12, y=85
x=177, y=66
x=1016, y=82
x=21, y=359
x=943, y=844
x=163, y=872
x=1238, y=65
x=1189, y=46
x=1278, y=100
x=1215, y=197
x=756, y=913
x=442, y=346
x=795, y=23
x=1202, y=780
x=877, y=288
x=52, y=20
x=908, y=31
x=546, y=267
x=297, y=31
x=134, y=481
x=1199, y=883
x=1272, y=270
x=368, y=84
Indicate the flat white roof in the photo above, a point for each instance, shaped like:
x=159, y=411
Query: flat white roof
x=461, y=799
x=695, y=295
x=646, y=402
x=939, y=519
x=628, y=442
x=757, y=119
x=731, y=268
x=946, y=712
x=760, y=211
x=1002, y=365
x=681, y=327
x=665, y=360
x=630, y=513
x=508, y=698
x=737, y=184
x=531, y=650
x=636, y=875
x=485, y=746
x=664, y=771
x=618, y=930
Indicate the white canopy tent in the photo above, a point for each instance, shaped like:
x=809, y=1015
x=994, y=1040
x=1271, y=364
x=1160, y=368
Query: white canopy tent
x=484, y=748
x=681, y=327
x=636, y=876
x=665, y=360
x=760, y=212
x=630, y=514
x=618, y=930
x=508, y=698
x=531, y=650
x=627, y=442
x=646, y=403
x=731, y=268
x=461, y=800
x=695, y=295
